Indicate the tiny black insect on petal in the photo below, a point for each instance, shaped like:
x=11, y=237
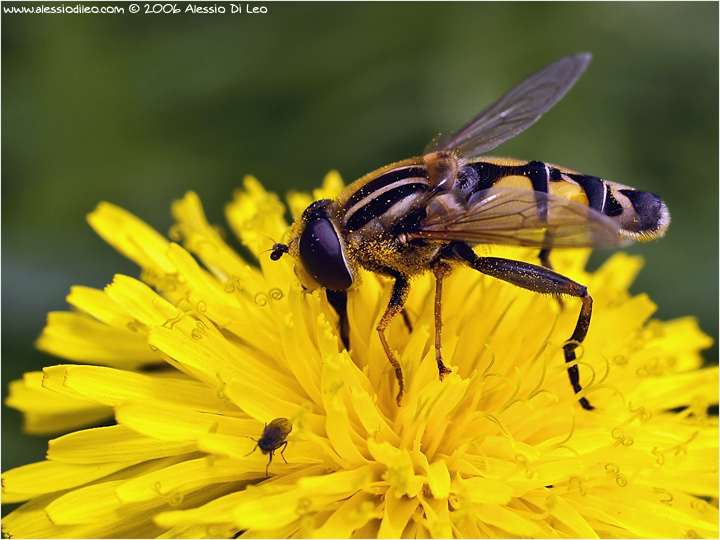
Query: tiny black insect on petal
x=272, y=438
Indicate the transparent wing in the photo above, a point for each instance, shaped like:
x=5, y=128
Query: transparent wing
x=519, y=217
x=516, y=111
x=283, y=424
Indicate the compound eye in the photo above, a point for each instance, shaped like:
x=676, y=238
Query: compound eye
x=322, y=256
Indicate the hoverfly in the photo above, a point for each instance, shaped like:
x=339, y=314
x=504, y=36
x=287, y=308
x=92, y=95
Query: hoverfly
x=272, y=438
x=426, y=213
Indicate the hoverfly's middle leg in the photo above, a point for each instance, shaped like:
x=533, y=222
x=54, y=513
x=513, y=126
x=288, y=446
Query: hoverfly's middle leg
x=542, y=280
x=441, y=271
x=400, y=291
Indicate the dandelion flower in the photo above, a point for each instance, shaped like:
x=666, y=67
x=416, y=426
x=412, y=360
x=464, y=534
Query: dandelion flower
x=186, y=367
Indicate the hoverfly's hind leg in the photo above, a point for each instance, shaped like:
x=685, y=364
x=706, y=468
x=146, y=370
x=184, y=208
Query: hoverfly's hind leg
x=338, y=300
x=400, y=291
x=441, y=271
x=542, y=280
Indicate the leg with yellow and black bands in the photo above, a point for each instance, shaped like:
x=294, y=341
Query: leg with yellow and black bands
x=400, y=291
x=542, y=280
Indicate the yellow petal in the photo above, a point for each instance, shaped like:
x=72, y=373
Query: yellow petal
x=86, y=505
x=30, y=480
x=400, y=472
x=77, y=337
x=174, y=422
x=203, y=239
x=267, y=510
x=100, y=306
x=507, y=520
x=350, y=516
x=114, y=443
x=181, y=478
x=256, y=216
x=141, y=302
x=439, y=480
x=112, y=387
x=484, y=491
x=396, y=514
x=48, y=412
x=131, y=236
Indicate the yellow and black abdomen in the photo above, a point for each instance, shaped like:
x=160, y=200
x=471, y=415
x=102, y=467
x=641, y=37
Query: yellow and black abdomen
x=640, y=215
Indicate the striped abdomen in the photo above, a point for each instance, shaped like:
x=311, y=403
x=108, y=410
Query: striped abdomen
x=641, y=215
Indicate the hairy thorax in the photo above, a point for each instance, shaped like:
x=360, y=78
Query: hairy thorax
x=386, y=254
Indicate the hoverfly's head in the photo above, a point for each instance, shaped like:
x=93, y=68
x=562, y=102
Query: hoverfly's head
x=318, y=249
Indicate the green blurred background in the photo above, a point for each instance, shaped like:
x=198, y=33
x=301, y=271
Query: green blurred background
x=138, y=109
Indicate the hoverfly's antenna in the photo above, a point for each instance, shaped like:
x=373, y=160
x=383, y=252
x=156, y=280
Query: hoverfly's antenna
x=278, y=250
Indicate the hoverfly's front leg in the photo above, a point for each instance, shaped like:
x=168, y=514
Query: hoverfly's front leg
x=542, y=280
x=400, y=291
x=441, y=271
x=338, y=300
